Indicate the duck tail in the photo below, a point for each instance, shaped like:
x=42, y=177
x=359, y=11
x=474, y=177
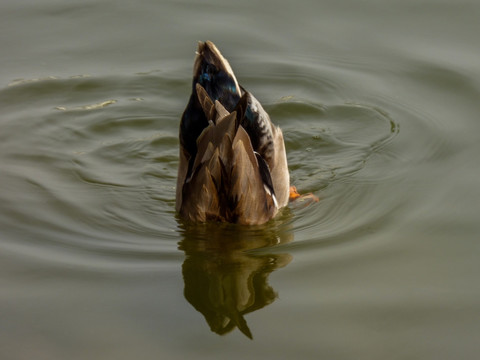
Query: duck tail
x=213, y=72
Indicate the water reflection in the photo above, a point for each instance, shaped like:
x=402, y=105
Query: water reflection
x=224, y=278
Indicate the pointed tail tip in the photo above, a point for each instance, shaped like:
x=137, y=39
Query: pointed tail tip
x=246, y=331
x=209, y=51
x=208, y=54
x=200, y=46
x=211, y=46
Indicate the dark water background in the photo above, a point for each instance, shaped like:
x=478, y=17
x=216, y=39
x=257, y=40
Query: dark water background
x=379, y=104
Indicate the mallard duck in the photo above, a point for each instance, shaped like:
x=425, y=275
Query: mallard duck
x=233, y=166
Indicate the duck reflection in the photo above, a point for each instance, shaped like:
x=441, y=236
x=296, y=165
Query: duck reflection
x=226, y=270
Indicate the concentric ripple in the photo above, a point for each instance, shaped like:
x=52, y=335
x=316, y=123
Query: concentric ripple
x=89, y=164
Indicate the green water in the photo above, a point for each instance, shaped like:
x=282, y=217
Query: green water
x=379, y=104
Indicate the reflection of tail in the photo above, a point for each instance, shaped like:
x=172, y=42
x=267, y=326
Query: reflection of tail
x=223, y=281
x=225, y=292
x=242, y=326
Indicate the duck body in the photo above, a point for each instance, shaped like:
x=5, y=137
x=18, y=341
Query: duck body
x=233, y=165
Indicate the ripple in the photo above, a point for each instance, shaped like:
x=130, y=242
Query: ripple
x=88, y=181
x=94, y=185
x=328, y=142
x=357, y=156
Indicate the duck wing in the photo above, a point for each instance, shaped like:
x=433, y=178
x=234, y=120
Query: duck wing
x=227, y=179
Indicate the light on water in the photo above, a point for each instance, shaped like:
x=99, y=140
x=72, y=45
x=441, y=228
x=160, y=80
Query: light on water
x=379, y=108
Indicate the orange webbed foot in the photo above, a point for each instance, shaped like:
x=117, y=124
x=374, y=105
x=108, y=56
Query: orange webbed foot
x=295, y=195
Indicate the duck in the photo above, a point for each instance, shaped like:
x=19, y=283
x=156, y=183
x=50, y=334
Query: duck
x=232, y=162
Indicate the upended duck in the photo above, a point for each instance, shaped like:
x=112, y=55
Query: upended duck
x=233, y=165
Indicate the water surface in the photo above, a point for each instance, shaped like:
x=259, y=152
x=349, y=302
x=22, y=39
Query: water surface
x=379, y=107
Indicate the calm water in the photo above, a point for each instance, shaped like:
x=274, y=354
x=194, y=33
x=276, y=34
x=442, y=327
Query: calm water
x=379, y=103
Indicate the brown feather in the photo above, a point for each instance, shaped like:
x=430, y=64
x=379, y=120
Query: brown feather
x=222, y=179
x=221, y=112
x=205, y=102
x=226, y=171
x=253, y=205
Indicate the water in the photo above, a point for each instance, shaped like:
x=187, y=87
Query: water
x=379, y=106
